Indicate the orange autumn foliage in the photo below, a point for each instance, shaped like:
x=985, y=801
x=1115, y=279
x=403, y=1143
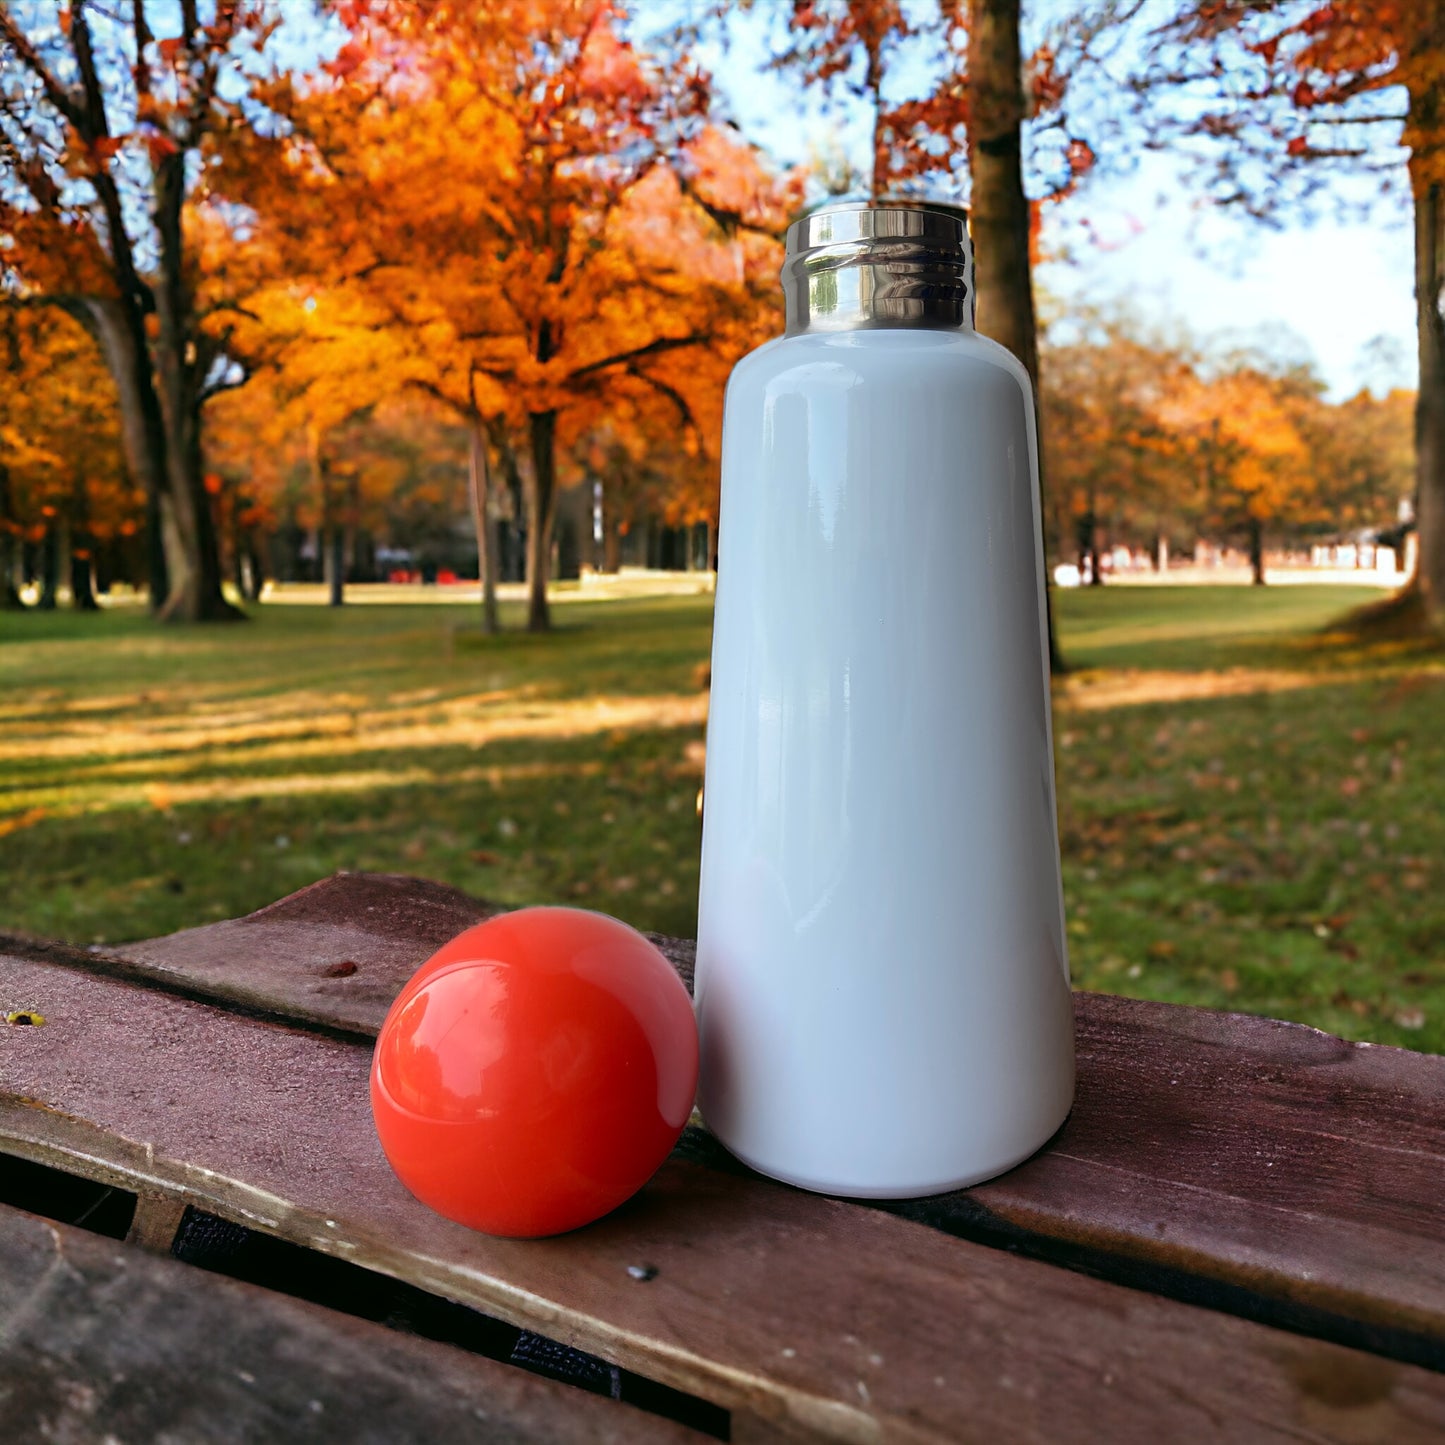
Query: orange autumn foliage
x=1287, y=93
x=516, y=214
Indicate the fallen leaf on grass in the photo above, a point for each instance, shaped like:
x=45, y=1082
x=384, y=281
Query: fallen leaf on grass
x=1356, y=1006
x=1228, y=980
x=1411, y=1018
x=486, y=858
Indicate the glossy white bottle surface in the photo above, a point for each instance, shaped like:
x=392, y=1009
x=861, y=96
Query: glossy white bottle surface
x=882, y=979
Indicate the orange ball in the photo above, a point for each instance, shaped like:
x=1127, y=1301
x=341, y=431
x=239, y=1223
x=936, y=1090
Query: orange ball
x=535, y=1071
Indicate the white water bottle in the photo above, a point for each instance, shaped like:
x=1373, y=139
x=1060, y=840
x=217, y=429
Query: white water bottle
x=882, y=981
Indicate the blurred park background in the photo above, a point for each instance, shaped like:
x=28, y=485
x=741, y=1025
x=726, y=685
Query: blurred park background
x=361, y=372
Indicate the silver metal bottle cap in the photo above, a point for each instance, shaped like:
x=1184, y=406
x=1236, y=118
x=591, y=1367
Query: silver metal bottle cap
x=855, y=266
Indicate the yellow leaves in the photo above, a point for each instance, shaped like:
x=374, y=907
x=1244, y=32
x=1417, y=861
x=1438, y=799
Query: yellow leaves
x=54, y=254
x=1249, y=409
x=1244, y=427
x=59, y=425
x=473, y=206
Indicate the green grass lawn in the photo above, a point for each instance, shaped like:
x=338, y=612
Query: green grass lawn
x=1253, y=811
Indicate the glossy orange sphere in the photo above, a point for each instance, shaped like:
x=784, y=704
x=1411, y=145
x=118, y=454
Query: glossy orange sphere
x=535, y=1071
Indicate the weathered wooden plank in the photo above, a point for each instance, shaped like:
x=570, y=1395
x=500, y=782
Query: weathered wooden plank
x=816, y=1316
x=1263, y=1154
x=335, y=953
x=156, y=1220
x=103, y=1342
x=1256, y=1155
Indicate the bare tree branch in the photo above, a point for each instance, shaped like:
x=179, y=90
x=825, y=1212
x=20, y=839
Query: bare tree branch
x=55, y=92
x=670, y=392
x=143, y=38
x=437, y=394
x=96, y=125
x=653, y=348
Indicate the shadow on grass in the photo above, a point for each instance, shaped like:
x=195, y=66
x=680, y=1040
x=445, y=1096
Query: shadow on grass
x=604, y=821
x=1305, y=629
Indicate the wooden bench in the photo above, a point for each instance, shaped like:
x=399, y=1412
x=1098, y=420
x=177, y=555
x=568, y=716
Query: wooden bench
x=1239, y=1234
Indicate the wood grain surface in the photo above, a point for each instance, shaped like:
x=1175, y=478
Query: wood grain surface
x=100, y=1342
x=1287, y=1172
x=809, y=1316
x=335, y=953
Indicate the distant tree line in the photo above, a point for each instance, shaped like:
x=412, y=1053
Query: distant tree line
x=530, y=220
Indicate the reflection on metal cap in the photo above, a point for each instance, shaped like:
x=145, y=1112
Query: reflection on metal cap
x=857, y=265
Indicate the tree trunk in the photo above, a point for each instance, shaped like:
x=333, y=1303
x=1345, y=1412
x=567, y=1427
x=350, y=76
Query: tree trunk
x=10, y=599
x=1256, y=551
x=157, y=575
x=479, y=489
x=198, y=596
x=512, y=544
x=336, y=566
x=873, y=84
x=611, y=539
x=119, y=328
x=82, y=554
x=330, y=542
x=540, y=516
x=180, y=360
x=162, y=446
x=254, y=572
x=1430, y=403
x=568, y=532
x=351, y=528
x=238, y=555
x=1084, y=529
x=1003, y=280
x=82, y=582
x=49, y=565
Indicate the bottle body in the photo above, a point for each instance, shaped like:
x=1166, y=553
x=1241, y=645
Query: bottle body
x=882, y=980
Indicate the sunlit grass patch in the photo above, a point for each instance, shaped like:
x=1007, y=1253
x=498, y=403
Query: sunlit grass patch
x=1253, y=811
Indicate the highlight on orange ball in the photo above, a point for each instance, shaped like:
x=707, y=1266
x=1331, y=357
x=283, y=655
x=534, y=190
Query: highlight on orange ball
x=535, y=1072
